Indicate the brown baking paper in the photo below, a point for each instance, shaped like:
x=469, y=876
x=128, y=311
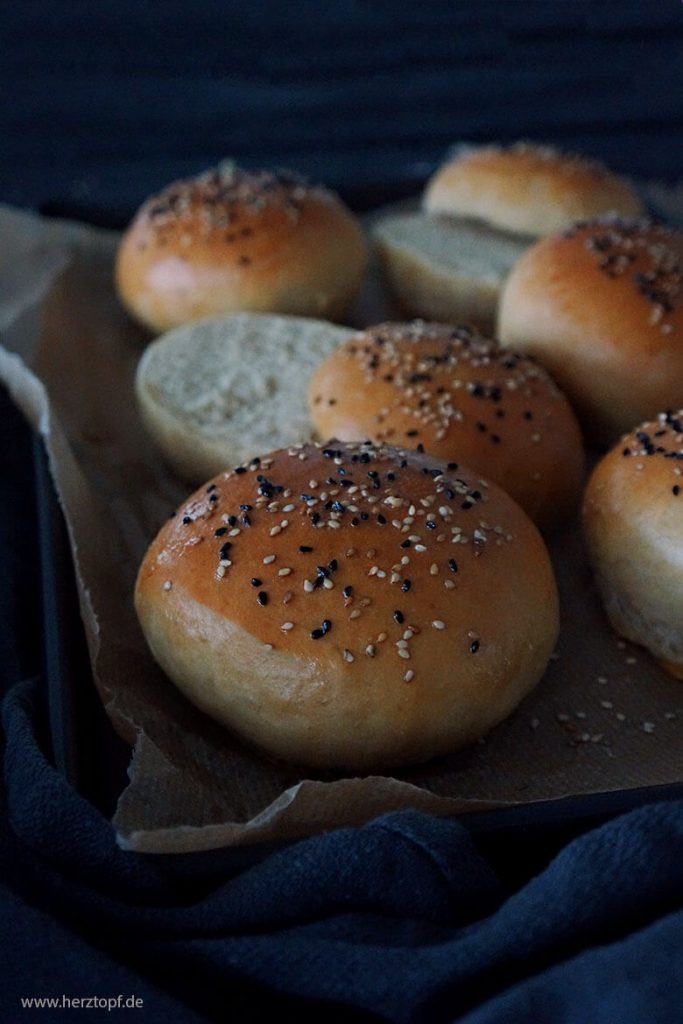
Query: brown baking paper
x=604, y=717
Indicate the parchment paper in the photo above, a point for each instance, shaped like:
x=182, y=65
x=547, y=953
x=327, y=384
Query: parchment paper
x=603, y=718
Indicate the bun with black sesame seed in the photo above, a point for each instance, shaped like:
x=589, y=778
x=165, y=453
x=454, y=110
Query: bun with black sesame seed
x=216, y=392
x=233, y=240
x=350, y=607
x=461, y=397
x=601, y=307
x=633, y=522
x=480, y=211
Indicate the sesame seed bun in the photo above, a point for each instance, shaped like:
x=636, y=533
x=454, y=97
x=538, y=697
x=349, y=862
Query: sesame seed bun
x=601, y=306
x=233, y=240
x=527, y=188
x=306, y=602
x=633, y=520
x=464, y=399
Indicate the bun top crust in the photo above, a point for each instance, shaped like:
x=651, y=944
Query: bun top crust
x=393, y=608
x=463, y=398
x=527, y=188
x=633, y=519
x=601, y=306
x=232, y=240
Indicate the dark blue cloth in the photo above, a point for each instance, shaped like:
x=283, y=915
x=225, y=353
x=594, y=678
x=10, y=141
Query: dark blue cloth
x=403, y=918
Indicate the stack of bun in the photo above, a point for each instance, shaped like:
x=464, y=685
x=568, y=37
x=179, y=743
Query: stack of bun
x=480, y=211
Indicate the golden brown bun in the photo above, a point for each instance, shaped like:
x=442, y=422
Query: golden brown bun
x=633, y=519
x=527, y=188
x=233, y=240
x=465, y=399
x=287, y=621
x=601, y=306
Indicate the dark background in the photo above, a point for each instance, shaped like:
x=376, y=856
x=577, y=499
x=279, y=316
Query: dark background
x=106, y=102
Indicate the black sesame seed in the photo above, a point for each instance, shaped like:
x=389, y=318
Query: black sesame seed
x=412, y=433
x=355, y=521
x=256, y=582
x=213, y=497
x=406, y=543
x=221, y=531
x=187, y=519
x=528, y=415
x=420, y=447
x=232, y=520
x=391, y=476
x=381, y=519
x=262, y=597
x=316, y=634
x=210, y=488
x=305, y=548
x=326, y=625
x=405, y=586
x=452, y=466
x=333, y=565
x=240, y=469
x=430, y=524
x=246, y=521
x=466, y=504
x=474, y=646
x=347, y=591
x=225, y=548
x=398, y=616
x=675, y=490
x=452, y=565
x=364, y=516
x=246, y=508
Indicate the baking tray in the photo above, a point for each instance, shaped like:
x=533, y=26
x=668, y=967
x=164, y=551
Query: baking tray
x=92, y=756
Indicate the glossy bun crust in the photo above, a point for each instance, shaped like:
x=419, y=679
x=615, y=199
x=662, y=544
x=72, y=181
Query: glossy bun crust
x=233, y=240
x=527, y=188
x=633, y=519
x=465, y=399
x=350, y=607
x=601, y=307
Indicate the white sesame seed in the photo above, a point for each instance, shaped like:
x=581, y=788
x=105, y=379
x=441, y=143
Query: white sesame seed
x=275, y=530
x=355, y=614
x=268, y=559
x=433, y=569
x=401, y=644
x=408, y=634
x=403, y=653
x=409, y=676
x=449, y=584
x=289, y=508
x=381, y=574
x=220, y=571
x=381, y=637
x=438, y=624
x=333, y=524
x=234, y=533
x=225, y=562
x=308, y=586
x=419, y=548
x=267, y=647
x=394, y=578
x=328, y=584
x=370, y=650
x=284, y=572
x=648, y=727
x=286, y=626
x=347, y=655
x=167, y=585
